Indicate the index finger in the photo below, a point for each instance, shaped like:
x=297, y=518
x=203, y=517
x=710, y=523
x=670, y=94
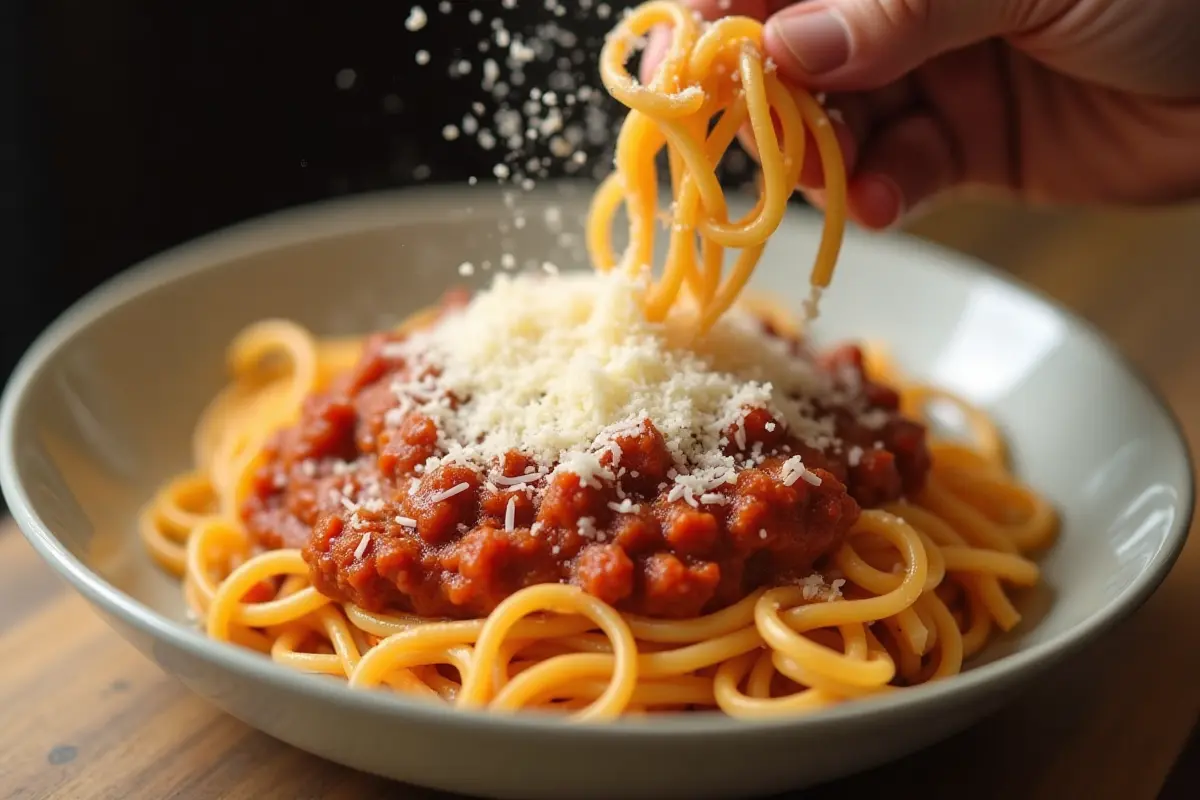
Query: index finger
x=715, y=9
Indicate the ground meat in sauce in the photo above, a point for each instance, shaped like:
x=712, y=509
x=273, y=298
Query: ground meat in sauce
x=347, y=489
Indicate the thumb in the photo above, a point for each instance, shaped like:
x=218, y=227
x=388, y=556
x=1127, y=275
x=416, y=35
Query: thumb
x=854, y=45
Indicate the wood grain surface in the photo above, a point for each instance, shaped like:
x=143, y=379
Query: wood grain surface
x=84, y=715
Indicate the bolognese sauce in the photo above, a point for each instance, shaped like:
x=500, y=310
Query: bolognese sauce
x=384, y=524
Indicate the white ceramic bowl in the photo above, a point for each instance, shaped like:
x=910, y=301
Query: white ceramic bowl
x=101, y=409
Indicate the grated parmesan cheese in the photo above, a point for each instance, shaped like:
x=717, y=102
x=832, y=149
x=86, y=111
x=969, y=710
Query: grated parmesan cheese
x=510, y=515
x=794, y=470
x=814, y=588
x=362, y=545
x=540, y=364
x=587, y=528
x=502, y=480
x=451, y=492
x=416, y=19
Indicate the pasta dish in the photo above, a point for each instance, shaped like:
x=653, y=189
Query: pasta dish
x=624, y=491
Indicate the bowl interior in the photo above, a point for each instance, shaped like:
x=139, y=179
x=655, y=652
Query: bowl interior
x=102, y=411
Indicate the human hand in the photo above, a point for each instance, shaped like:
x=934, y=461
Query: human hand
x=1055, y=101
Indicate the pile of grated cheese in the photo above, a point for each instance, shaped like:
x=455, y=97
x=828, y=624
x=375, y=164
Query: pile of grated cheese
x=558, y=366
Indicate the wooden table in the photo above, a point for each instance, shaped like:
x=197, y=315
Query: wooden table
x=86, y=716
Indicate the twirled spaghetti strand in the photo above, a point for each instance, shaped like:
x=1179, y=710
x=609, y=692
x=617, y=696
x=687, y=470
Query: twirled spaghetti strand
x=707, y=86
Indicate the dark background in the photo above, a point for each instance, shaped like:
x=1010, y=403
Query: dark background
x=128, y=126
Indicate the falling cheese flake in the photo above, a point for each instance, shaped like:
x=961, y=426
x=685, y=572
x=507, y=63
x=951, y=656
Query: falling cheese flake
x=416, y=19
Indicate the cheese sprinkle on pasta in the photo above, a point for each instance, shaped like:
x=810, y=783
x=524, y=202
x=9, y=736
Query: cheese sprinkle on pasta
x=539, y=364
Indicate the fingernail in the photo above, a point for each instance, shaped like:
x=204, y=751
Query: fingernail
x=817, y=39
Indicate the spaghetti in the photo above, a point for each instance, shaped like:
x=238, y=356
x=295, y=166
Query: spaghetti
x=600, y=495
x=712, y=82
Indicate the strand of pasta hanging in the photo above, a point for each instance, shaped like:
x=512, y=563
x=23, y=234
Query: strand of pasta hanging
x=711, y=83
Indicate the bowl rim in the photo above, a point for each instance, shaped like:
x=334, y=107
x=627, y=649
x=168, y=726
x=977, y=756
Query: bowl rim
x=371, y=211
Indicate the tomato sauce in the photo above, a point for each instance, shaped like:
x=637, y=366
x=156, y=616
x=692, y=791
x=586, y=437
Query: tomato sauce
x=351, y=492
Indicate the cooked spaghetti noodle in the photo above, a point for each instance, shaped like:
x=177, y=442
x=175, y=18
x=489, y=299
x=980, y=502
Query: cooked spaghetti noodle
x=712, y=82
x=560, y=496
